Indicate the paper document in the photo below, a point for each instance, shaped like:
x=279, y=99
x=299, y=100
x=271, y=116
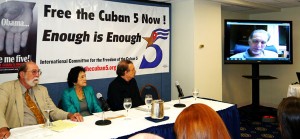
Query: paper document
x=61, y=125
x=145, y=108
x=110, y=118
x=109, y=115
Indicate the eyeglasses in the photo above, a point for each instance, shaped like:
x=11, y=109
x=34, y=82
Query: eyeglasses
x=35, y=72
x=258, y=41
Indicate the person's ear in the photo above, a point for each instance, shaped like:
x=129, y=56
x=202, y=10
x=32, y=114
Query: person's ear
x=22, y=74
x=125, y=72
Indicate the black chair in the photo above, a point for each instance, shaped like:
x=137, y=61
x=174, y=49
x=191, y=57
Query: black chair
x=149, y=89
x=59, y=105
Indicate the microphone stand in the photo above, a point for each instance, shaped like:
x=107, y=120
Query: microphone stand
x=103, y=121
x=104, y=107
x=179, y=105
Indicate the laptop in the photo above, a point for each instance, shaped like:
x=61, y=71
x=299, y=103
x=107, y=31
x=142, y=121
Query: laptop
x=298, y=76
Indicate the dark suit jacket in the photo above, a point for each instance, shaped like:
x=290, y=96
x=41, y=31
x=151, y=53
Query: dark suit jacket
x=119, y=89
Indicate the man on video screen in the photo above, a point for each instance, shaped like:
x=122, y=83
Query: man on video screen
x=257, y=41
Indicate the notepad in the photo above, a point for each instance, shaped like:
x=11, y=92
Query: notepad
x=110, y=118
x=62, y=125
x=109, y=115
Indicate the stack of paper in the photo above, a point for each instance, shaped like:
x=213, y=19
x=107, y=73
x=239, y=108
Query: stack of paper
x=61, y=125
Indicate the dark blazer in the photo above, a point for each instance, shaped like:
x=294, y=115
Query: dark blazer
x=119, y=89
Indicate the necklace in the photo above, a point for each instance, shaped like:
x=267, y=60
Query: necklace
x=82, y=98
x=80, y=94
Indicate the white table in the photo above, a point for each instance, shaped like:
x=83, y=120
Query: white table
x=294, y=90
x=119, y=126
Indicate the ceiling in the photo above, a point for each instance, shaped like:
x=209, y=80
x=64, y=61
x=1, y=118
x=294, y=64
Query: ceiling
x=251, y=6
x=257, y=6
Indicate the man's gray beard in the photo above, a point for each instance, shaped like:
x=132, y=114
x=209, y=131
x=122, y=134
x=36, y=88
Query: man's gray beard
x=32, y=82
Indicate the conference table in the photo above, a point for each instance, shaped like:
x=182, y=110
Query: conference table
x=136, y=122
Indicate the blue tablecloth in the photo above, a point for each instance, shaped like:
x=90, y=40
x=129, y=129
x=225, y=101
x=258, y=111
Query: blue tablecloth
x=230, y=117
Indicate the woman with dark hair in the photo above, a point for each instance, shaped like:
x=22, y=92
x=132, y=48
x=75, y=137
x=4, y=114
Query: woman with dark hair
x=289, y=118
x=199, y=121
x=79, y=97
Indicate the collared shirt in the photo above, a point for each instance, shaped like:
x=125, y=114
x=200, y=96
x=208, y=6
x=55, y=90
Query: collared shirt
x=29, y=118
x=266, y=54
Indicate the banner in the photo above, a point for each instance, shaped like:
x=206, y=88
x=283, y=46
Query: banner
x=95, y=34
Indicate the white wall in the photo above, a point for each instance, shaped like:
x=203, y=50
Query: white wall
x=182, y=55
x=272, y=91
x=236, y=89
x=196, y=22
x=208, y=60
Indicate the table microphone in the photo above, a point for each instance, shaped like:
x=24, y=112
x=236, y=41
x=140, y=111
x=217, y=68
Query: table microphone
x=180, y=94
x=105, y=107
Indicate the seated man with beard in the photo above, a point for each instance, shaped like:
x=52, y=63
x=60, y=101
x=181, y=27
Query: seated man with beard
x=22, y=101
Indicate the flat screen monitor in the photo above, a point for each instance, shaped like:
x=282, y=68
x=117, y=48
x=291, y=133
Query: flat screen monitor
x=257, y=42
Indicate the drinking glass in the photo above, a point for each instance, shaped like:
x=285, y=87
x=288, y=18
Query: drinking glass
x=148, y=100
x=127, y=105
x=48, y=109
x=195, y=93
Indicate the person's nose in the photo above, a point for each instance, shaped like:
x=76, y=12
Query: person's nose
x=259, y=44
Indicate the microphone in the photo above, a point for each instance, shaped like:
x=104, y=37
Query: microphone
x=104, y=105
x=180, y=93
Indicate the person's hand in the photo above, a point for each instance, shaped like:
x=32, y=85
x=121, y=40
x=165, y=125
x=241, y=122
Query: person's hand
x=75, y=117
x=16, y=18
x=4, y=133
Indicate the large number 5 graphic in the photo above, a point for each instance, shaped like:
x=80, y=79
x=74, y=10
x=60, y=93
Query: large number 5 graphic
x=157, y=60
